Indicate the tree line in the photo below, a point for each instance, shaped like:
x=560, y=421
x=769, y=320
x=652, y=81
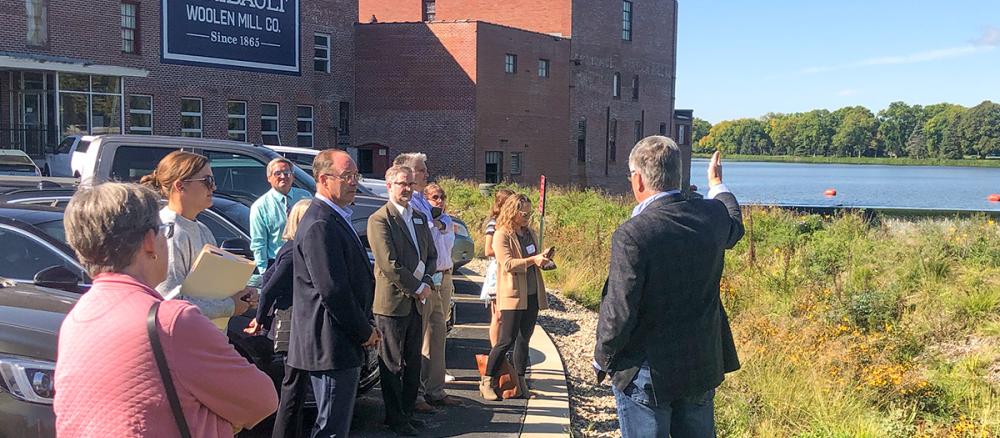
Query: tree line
x=942, y=130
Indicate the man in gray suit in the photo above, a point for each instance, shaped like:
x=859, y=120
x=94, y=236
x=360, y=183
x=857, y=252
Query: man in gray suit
x=405, y=259
x=662, y=333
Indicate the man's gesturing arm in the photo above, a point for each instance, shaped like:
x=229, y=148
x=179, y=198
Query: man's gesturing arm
x=620, y=304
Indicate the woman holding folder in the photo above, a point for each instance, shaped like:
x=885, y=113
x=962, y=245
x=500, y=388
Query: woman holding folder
x=185, y=179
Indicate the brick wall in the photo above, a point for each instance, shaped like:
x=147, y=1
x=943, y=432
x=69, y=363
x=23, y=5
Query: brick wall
x=549, y=16
x=416, y=92
x=523, y=112
x=89, y=30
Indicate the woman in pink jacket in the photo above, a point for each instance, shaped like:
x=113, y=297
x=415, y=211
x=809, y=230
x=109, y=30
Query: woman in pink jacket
x=107, y=381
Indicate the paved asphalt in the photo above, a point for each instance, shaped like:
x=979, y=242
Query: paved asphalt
x=475, y=417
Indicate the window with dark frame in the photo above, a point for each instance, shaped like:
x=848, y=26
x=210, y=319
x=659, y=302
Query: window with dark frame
x=543, y=68
x=430, y=10
x=635, y=87
x=616, y=84
x=581, y=141
x=638, y=131
x=515, y=163
x=494, y=166
x=304, y=126
x=140, y=114
x=269, y=124
x=345, y=118
x=663, y=129
x=236, y=120
x=130, y=27
x=626, y=20
x=321, y=52
x=191, y=125
x=510, y=63
x=613, y=141
x=37, y=17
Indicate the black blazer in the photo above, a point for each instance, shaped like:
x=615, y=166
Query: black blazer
x=333, y=288
x=661, y=301
x=276, y=291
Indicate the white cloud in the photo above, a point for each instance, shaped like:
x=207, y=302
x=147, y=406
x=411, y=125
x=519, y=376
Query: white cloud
x=990, y=37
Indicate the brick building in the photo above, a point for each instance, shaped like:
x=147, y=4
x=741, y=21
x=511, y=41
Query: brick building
x=620, y=66
x=230, y=71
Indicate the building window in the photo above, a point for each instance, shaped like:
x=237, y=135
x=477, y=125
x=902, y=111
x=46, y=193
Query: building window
x=616, y=83
x=515, y=163
x=494, y=166
x=613, y=141
x=543, y=68
x=269, y=124
x=345, y=118
x=681, y=134
x=638, y=131
x=321, y=56
x=635, y=87
x=581, y=141
x=304, y=123
x=90, y=104
x=130, y=28
x=626, y=20
x=510, y=63
x=237, y=114
x=430, y=10
x=190, y=117
x=140, y=114
x=37, y=15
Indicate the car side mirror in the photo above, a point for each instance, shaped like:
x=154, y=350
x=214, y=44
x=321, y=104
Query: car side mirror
x=58, y=277
x=238, y=246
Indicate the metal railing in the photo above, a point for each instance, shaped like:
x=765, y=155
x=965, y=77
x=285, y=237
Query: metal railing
x=34, y=140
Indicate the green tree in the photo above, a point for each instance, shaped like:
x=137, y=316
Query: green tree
x=699, y=129
x=980, y=129
x=782, y=128
x=741, y=136
x=916, y=145
x=896, y=123
x=941, y=133
x=855, y=131
x=814, y=135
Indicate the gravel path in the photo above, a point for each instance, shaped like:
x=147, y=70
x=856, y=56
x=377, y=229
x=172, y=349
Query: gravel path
x=573, y=328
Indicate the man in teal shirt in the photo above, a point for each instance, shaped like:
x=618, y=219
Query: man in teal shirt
x=269, y=213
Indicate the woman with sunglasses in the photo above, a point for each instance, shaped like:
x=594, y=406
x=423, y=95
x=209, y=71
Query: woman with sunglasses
x=185, y=180
x=520, y=292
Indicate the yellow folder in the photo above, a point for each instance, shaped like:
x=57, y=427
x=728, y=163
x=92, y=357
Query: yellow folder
x=217, y=274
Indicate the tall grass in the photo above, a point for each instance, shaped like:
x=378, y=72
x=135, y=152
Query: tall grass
x=844, y=328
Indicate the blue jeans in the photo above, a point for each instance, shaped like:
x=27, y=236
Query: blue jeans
x=335, y=391
x=640, y=415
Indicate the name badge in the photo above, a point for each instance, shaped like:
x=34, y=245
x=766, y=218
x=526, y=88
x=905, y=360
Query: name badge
x=530, y=249
x=418, y=221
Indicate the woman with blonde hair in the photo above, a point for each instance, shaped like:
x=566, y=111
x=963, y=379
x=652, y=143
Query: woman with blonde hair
x=520, y=291
x=489, y=291
x=275, y=305
x=185, y=179
x=130, y=363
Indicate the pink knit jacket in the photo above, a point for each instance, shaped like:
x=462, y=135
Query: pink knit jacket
x=107, y=383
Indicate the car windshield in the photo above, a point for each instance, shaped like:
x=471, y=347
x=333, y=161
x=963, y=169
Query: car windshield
x=18, y=169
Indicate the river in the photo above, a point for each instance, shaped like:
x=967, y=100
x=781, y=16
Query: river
x=924, y=187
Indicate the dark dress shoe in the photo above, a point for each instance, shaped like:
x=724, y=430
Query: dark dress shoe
x=403, y=429
x=446, y=401
x=423, y=408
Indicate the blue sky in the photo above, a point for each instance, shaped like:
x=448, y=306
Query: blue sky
x=745, y=59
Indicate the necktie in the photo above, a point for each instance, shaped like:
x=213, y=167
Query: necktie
x=288, y=205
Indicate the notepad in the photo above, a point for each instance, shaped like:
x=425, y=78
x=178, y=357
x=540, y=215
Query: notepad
x=217, y=274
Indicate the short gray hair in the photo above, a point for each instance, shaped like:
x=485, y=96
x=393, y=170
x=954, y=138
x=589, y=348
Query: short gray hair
x=271, y=164
x=409, y=159
x=658, y=160
x=105, y=224
x=397, y=169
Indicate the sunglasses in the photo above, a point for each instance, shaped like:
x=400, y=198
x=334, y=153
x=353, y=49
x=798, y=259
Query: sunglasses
x=439, y=197
x=208, y=180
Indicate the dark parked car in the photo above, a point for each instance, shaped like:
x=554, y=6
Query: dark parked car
x=29, y=322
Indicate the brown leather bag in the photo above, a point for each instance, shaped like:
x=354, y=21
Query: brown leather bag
x=507, y=383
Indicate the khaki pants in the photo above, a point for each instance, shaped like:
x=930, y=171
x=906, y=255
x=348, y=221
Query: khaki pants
x=436, y=312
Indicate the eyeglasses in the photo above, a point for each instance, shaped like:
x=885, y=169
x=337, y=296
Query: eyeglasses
x=405, y=184
x=166, y=229
x=439, y=197
x=630, y=173
x=526, y=213
x=352, y=178
x=281, y=173
x=208, y=180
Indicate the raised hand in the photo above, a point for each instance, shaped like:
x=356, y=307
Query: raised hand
x=715, y=169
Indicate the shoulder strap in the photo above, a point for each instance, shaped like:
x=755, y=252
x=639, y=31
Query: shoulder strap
x=161, y=363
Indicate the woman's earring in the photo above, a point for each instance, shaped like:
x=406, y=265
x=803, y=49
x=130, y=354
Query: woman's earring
x=154, y=256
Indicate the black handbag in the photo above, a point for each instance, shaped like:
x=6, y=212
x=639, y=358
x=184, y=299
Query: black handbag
x=161, y=364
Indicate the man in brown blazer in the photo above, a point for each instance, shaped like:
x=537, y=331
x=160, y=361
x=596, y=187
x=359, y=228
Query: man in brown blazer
x=405, y=259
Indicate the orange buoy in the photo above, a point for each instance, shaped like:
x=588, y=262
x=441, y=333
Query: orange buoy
x=830, y=192
x=994, y=197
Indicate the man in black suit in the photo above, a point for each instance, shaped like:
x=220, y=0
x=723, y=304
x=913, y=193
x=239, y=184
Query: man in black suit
x=333, y=289
x=405, y=259
x=662, y=333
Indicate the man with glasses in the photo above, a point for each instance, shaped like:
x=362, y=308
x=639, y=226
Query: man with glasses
x=405, y=261
x=438, y=307
x=332, y=292
x=269, y=213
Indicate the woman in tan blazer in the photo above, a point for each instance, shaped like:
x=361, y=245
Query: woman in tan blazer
x=520, y=291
